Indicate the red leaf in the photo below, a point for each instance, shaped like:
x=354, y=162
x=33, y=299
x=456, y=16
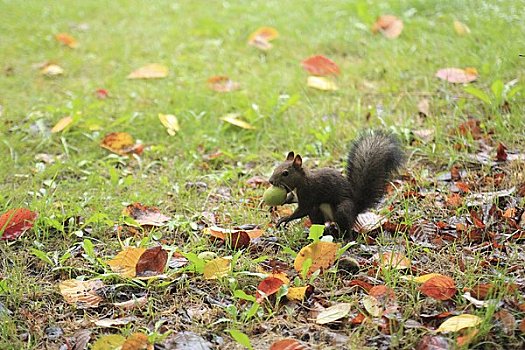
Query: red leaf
x=14, y=222
x=102, y=94
x=152, y=262
x=268, y=286
x=477, y=221
x=288, y=344
x=439, y=287
x=320, y=65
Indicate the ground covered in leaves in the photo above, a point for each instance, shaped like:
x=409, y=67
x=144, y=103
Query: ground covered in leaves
x=137, y=140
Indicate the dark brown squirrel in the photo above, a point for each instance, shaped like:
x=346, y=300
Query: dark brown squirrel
x=325, y=195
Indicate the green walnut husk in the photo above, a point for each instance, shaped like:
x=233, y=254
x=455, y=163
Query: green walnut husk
x=274, y=196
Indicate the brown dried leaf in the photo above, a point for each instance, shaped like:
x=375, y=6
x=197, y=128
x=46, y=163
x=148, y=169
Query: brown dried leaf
x=121, y=143
x=222, y=83
x=152, y=262
x=83, y=294
x=145, y=215
x=288, y=344
x=501, y=152
x=126, y=261
x=439, y=287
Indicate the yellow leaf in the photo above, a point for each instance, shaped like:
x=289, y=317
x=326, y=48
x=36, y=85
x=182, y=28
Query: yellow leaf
x=333, y=313
x=261, y=38
x=322, y=255
x=217, y=268
x=296, y=293
x=170, y=122
x=62, y=124
x=321, y=83
x=456, y=323
x=83, y=294
x=121, y=143
x=52, y=70
x=150, y=71
x=109, y=342
x=126, y=261
x=424, y=278
x=461, y=28
x=280, y=275
x=232, y=118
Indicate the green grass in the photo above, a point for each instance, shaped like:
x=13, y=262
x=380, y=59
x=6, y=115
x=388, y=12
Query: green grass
x=382, y=79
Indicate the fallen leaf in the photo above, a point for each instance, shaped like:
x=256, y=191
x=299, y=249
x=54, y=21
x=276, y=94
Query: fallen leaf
x=322, y=255
x=388, y=260
x=434, y=342
x=288, y=344
x=464, y=340
x=132, y=304
x=456, y=323
x=137, y=341
x=102, y=94
x=457, y=75
x=501, y=155
x=320, y=65
x=461, y=28
x=81, y=339
x=522, y=326
x=426, y=277
x=321, y=83
x=299, y=293
x=121, y=143
x=425, y=135
x=439, y=287
x=67, y=40
x=388, y=25
x=62, y=124
x=186, y=341
x=112, y=322
x=423, y=107
x=233, y=118
x=152, y=262
x=52, y=70
x=82, y=294
x=333, y=313
x=145, y=215
x=267, y=287
x=508, y=321
x=126, y=261
x=217, y=268
x=14, y=222
x=222, y=83
x=261, y=38
x=368, y=221
x=371, y=305
x=150, y=71
x=109, y=342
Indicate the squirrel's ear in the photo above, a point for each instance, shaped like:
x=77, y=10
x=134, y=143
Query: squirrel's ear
x=298, y=161
x=290, y=156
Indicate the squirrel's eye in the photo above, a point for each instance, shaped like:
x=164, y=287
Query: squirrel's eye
x=285, y=173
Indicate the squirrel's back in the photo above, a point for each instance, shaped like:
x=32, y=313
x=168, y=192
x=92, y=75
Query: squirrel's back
x=374, y=156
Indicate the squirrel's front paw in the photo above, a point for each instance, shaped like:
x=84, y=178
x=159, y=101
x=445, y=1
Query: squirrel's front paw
x=282, y=221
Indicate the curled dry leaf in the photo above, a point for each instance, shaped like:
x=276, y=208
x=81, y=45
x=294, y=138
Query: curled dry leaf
x=137, y=341
x=320, y=65
x=112, y=322
x=126, y=261
x=152, y=262
x=150, y=71
x=457, y=75
x=288, y=344
x=322, y=255
x=261, y=38
x=388, y=25
x=439, y=287
x=67, y=40
x=132, y=304
x=456, y=323
x=170, y=122
x=321, y=83
x=461, y=28
x=267, y=287
x=217, y=268
x=388, y=260
x=14, y=222
x=83, y=294
x=52, y=70
x=121, y=143
x=333, y=313
x=368, y=221
x=222, y=83
x=62, y=124
x=233, y=118
x=146, y=215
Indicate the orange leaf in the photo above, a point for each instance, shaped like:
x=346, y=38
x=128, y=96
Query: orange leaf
x=267, y=287
x=222, y=83
x=457, y=75
x=439, y=287
x=14, y=222
x=288, y=344
x=126, y=261
x=137, y=341
x=152, y=262
x=320, y=65
x=261, y=38
x=121, y=143
x=150, y=71
x=67, y=40
x=388, y=25
x=322, y=254
x=522, y=326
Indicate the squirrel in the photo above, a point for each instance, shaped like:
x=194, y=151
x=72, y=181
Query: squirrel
x=325, y=195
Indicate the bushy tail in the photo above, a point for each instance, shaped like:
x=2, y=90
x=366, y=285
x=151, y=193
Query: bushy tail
x=372, y=159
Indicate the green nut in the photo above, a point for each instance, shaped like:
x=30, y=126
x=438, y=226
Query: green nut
x=274, y=196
